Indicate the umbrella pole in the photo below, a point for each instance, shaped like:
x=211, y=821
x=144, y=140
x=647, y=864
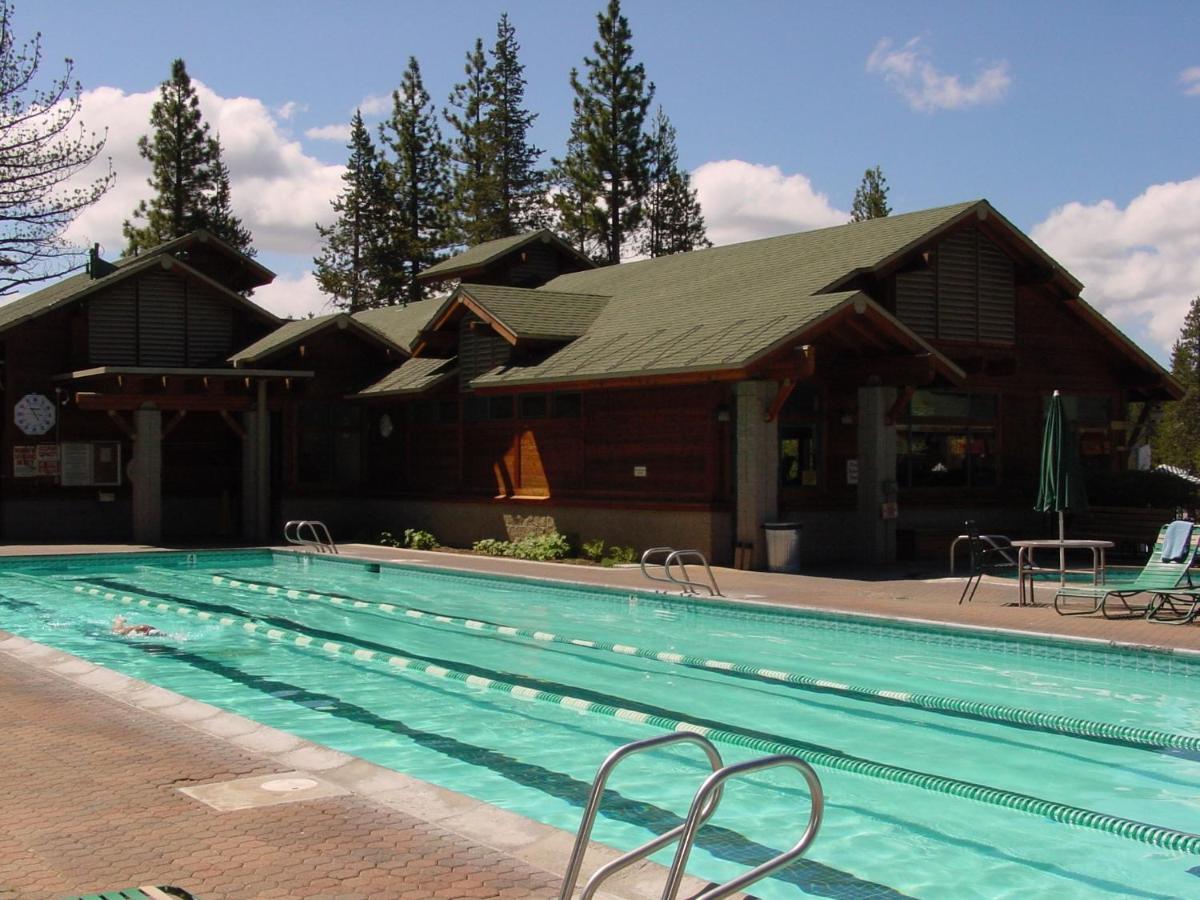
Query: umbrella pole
x=1062, y=553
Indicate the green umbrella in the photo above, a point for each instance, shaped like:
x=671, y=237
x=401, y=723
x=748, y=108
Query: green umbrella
x=1060, y=485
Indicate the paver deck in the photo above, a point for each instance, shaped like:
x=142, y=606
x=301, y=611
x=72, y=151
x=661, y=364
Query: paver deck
x=89, y=799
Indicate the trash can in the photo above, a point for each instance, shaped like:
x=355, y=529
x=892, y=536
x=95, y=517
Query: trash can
x=783, y=546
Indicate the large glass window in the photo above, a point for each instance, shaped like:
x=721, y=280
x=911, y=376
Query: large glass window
x=330, y=444
x=948, y=439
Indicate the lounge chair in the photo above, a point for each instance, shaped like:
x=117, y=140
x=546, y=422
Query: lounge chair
x=1177, y=607
x=1157, y=578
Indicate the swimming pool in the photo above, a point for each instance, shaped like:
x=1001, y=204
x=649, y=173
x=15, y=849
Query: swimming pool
x=954, y=764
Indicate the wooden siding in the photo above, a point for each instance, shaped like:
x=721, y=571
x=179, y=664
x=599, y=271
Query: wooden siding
x=159, y=320
x=967, y=294
x=480, y=349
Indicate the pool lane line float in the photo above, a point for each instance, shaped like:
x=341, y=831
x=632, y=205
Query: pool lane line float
x=816, y=755
x=1068, y=726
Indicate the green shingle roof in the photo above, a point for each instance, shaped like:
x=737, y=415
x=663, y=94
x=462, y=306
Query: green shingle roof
x=722, y=307
x=537, y=314
x=412, y=377
x=489, y=251
x=285, y=334
x=400, y=324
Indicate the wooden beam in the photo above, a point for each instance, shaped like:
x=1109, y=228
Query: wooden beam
x=118, y=420
x=166, y=402
x=897, y=407
x=232, y=423
x=170, y=426
x=781, y=396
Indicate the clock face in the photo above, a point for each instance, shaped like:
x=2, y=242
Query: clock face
x=34, y=414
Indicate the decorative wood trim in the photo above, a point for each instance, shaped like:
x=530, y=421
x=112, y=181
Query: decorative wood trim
x=175, y=420
x=897, y=407
x=119, y=420
x=231, y=422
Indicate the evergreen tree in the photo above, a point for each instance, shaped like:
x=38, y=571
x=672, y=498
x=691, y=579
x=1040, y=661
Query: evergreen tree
x=521, y=185
x=418, y=186
x=348, y=266
x=674, y=222
x=476, y=194
x=40, y=155
x=606, y=169
x=578, y=220
x=191, y=183
x=870, y=200
x=1177, y=438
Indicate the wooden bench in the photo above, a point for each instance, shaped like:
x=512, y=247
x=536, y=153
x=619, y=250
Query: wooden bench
x=1132, y=529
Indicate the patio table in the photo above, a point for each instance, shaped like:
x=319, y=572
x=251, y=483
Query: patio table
x=1027, y=569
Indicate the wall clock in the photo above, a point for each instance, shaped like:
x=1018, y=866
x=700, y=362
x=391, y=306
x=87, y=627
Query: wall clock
x=34, y=414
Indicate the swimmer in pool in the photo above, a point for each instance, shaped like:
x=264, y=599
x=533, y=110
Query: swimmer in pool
x=121, y=627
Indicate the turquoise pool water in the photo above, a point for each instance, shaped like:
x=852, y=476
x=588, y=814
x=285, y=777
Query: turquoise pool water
x=950, y=759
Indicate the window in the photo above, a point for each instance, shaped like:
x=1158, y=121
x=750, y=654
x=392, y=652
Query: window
x=534, y=406
x=948, y=440
x=567, y=406
x=330, y=444
x=799, y=456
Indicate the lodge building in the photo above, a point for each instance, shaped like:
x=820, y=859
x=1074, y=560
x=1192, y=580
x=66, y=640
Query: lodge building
x=876, y=382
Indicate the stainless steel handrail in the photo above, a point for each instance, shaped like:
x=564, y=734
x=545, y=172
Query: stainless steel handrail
x=593, y=806
x=702, y=809
x=678, y=558
x=321, y=540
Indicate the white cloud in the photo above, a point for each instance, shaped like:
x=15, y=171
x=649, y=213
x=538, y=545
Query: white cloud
x=743, y=201
x=1140, y=264
x=375, y=104
x=1190, y=79
x=329, y=133
x=277, y=190
x=289, y=109
x=293, y=297
x=908, y=70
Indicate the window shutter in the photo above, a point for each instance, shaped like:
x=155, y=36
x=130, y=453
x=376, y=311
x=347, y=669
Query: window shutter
x=957, y=281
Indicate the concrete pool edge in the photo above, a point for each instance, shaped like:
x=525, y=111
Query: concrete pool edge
x=536, y=844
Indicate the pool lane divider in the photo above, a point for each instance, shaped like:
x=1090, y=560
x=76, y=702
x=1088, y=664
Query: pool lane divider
x=1069, y=726
x=1155, y=835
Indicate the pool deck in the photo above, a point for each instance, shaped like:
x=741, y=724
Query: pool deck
x=94, y=764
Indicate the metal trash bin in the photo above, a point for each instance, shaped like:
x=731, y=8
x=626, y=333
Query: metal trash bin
x=783, y=546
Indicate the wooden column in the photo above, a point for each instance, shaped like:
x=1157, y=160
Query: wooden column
x=256, y=474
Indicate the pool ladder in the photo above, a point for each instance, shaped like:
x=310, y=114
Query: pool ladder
x=310, y=534
x=704, y=804
x=673, y=557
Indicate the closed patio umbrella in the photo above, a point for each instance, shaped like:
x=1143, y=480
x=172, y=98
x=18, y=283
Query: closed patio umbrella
x=1060, y=485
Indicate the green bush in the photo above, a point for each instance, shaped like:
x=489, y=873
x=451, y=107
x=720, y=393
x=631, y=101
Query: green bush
x=418, y=539
x=620, y=556
x=593, y=550
x=387, y=539
x=493, y=547
x=542, y=547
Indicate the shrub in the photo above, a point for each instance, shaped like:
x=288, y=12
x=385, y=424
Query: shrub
x=620, y=556
x=542, y=547
x=418, y=539
x=493, y=547
x=593, y=550
x=387, y=539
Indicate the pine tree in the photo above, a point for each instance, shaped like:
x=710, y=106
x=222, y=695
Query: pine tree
x=870, y=200
x=1177, y=438
x=41, y=153
x=418, y=186
x=674, y=222
x=521, y=185
x=191, y=183
x=348, y=266
x=476, y=194
x=606, y=169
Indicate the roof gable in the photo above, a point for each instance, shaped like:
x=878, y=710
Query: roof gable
x=291, y=333
x=482, y=256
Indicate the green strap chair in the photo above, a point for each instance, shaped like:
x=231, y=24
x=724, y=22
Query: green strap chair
x=1156, y=579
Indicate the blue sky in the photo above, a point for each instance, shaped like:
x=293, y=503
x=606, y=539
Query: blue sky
x=1079, y=121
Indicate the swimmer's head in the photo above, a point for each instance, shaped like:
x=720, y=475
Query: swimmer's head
x=118, y=622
